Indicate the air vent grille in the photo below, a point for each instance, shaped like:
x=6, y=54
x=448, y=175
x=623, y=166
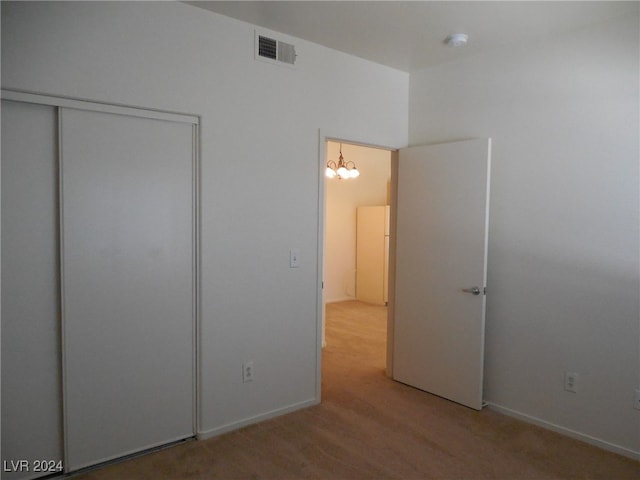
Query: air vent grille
x=274, y=50
x=267, y=47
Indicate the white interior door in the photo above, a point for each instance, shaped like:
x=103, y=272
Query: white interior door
x=128, y=284
x=441, y=258
x=31, y=377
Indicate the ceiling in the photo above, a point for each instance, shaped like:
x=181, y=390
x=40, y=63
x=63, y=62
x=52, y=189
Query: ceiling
x=409, y=35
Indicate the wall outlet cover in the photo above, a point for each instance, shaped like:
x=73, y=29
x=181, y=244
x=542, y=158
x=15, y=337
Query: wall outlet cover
x=294, y=258
x=247, y=372
x=571, y=381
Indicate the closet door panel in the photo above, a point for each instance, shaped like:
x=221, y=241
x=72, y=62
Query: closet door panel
x=31, y=382
x=128, y=284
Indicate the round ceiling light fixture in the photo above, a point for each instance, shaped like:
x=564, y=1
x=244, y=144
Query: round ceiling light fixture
x=456, y=39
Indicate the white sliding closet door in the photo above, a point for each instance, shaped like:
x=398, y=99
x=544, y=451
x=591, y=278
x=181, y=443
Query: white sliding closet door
x=128, y=283
x=31, y=383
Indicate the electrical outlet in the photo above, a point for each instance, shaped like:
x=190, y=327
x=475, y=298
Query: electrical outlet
x=294, y=258
x=636, y=403
x=247, y=372
x=571, y=382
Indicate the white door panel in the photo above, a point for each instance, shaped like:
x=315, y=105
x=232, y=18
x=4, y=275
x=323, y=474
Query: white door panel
x=31, y=376
x=442, y=226
x=128, y=281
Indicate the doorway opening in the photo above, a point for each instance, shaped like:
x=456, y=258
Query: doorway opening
x=356, y=246
x=440, y=216
x=356, y=218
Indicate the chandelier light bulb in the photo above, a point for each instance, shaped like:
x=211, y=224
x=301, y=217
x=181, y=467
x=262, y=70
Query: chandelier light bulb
x=341, y=169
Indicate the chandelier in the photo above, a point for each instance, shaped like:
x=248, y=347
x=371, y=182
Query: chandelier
x=342, y=169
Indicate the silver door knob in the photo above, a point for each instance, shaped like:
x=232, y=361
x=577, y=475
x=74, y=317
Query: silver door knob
x=472, y=290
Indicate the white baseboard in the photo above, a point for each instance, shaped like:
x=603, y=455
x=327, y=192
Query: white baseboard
x=203, y=435
x=339, y=299
x=611, y=447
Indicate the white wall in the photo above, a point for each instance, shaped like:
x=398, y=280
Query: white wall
x=259, y=150
x=563, y=282
x=342, y=198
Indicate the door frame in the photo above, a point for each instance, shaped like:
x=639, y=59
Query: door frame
x=324, y=136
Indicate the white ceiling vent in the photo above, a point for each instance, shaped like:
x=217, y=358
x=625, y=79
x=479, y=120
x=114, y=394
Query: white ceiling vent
x=275, y=51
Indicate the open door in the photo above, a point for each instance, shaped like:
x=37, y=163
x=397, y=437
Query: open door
x=441, y=268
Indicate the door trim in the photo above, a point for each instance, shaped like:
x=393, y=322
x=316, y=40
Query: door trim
x=393, y=222
x=79, y=104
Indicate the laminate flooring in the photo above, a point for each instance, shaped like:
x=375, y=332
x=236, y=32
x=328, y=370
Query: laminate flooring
x=370, y=427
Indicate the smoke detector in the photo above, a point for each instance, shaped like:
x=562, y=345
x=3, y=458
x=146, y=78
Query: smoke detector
x=456, y=39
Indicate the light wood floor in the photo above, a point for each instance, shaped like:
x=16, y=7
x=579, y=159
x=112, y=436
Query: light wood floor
x=369, y=427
